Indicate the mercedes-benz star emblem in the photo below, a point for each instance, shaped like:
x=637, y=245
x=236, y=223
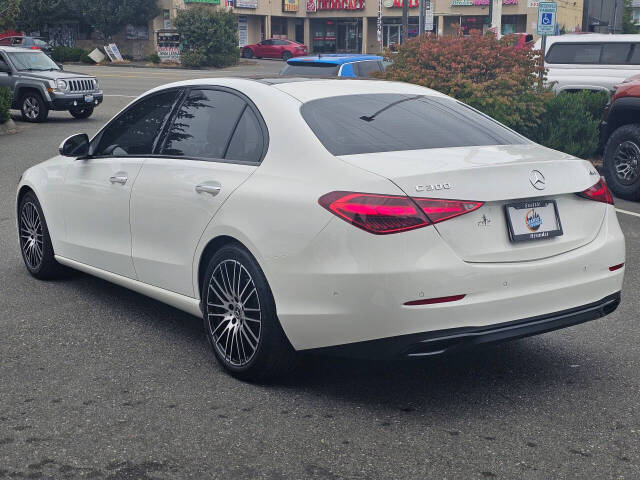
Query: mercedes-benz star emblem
x=537, y=180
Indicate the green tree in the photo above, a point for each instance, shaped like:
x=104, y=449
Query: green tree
x=627, y=18
x=9, y=10
x=110, y=16
x=209, y=37
x=34, y=14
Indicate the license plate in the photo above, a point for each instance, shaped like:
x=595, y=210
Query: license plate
x=533, y=220
x=88, y=98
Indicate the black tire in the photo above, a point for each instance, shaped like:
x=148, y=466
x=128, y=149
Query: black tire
x=33, y=107
x=622, y=162
x=35, y=232
x=82, y=112
x=262, y=350
x=286, y=56
x=247, y=53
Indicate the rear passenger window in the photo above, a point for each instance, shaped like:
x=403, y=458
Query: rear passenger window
x=615, y=53
x=247, y=142
x=365, y=69
x=588, y=53
x=204, y=124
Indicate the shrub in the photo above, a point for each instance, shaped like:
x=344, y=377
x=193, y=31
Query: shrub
x=70, y=54
x=154, y=58
x=5, y=104
x=482, y=71
x=210, y=37
x=570, y=123
x=193, y=59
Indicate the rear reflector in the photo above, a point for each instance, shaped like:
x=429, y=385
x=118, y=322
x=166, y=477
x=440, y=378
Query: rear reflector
x=384, y=214
x=430, y=301
x=616, y=267
x=598, y=192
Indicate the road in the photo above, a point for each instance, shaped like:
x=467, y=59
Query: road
x=100, y=382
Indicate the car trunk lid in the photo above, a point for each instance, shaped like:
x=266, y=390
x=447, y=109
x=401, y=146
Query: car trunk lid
x=497, y=176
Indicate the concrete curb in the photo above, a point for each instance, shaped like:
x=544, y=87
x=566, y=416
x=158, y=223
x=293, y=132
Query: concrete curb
x=160, y=66
x=8, y=127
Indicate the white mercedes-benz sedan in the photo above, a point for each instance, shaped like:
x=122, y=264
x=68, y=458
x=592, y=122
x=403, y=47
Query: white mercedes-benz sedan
x=354, y=217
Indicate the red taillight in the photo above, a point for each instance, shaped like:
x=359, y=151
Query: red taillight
x=35, y=48
x=616, y=267
x=598, y=192
x=438, y=210
x=384, y=214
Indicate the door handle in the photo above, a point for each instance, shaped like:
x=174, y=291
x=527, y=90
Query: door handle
x=121, y=179
x=212, y=188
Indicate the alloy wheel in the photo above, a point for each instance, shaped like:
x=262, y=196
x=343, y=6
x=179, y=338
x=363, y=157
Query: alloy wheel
x=31, y=108
x=626, y=161
x=31, y=235
x=234, y=316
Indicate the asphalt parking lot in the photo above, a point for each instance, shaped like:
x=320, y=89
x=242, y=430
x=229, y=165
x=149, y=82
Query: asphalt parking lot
x=100, y=382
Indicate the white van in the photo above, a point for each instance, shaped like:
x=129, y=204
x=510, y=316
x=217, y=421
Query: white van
x=591, y=61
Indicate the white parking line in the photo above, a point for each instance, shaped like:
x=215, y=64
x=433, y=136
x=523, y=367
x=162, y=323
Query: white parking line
x=628, y=212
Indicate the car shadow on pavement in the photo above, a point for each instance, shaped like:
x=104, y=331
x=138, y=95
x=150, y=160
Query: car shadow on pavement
x=530, y=367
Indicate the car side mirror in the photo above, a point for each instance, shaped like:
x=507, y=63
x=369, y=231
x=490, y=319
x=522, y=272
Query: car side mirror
x=60, y=66
x=5, y=69
x=75, y=146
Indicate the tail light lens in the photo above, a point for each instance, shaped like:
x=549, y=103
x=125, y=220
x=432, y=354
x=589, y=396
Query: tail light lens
x=598, y=192
x=35, y=48
x=384, y=214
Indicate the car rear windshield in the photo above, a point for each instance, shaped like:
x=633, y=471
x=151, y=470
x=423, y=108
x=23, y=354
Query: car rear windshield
x=353, y=124
x=315, y=69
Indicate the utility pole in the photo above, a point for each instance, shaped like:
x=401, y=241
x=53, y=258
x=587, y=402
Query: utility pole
x=405, y=20
x=495, y=16
x=421, y=18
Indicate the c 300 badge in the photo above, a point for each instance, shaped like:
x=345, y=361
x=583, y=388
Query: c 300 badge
x=434, y=187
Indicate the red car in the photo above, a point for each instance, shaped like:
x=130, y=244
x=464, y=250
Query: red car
x=275, y=48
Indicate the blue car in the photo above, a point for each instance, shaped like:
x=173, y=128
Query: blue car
x=334, y=65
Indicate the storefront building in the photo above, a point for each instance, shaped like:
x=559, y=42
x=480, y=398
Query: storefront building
x=336, y=26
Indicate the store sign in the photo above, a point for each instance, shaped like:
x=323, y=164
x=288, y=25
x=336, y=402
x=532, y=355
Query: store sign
x=289, y=5
x=398, y=4
x=211, y=2
x=243, y=31
x=379, y=23
x=482, y=3
x=246, y=3
x=312, y=6
x=340, y=5
x=428, y=16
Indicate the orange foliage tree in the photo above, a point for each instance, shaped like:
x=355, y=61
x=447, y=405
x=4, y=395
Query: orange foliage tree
x=491, y=75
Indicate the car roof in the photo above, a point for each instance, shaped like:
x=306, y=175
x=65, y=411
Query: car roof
x=334, y=59
x=8, y=48
x=306, y=89
x=592, y=38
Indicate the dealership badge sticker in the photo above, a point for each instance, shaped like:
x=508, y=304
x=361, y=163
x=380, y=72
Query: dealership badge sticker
x=532, y=220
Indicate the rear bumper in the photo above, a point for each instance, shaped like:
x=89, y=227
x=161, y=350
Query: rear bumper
x=451, y=340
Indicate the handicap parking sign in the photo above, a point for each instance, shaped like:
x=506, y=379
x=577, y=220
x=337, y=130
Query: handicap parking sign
x=547, y=18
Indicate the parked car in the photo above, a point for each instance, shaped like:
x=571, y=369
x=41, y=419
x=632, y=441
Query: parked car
x=26, y=42
x=39, y=85
x=274, y=48
x=361, y=217
x=620, y=137
x=334, y=65
x=591, y=61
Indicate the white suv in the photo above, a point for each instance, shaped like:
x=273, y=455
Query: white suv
x=591, y=61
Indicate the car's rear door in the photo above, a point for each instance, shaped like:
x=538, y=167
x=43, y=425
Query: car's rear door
x=97, y=190
x=214, y=143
